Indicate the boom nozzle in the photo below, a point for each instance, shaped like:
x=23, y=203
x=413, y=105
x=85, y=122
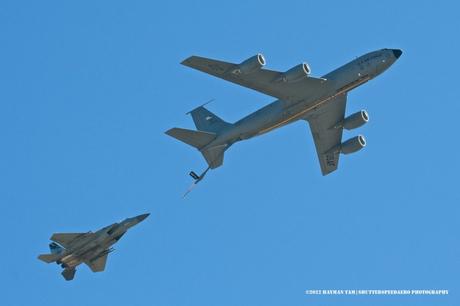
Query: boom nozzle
x=197, y=179
x=194, y=175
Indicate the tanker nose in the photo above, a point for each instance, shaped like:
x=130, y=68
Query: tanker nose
x=397, y=52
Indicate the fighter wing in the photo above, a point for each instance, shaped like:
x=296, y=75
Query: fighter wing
x=98, y=264
x=65, y=239
x=325, y=133
x=263, y=80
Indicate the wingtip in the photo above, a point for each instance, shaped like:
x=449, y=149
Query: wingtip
x=170, y=131
x=186, y=62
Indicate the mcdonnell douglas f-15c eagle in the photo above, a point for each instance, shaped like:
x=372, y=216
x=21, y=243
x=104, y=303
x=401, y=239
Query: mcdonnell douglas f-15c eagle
x=319, y=101
x=71, y=249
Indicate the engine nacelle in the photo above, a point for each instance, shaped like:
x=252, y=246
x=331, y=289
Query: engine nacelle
x=296, y=73
x=353, y=145
x=251, y=64
x=356, y=120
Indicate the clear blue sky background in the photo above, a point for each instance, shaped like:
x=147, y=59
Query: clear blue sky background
x=89, y=87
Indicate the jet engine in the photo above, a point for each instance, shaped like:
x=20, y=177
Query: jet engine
x=251, y=64
x=356, y=120
x=296, y=73
x=353, y=144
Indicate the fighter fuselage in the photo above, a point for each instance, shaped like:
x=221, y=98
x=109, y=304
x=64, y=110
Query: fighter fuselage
x=93, y=245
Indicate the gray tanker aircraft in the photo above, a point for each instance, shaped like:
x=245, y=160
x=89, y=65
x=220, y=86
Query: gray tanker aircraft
x=319, y=101
x=71, y=249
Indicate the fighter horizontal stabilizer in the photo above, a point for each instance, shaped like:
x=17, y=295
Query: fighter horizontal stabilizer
x=49, y=258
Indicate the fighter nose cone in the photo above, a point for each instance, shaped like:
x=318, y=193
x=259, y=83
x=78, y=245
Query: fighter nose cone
x=397, y=52
x=142, y=217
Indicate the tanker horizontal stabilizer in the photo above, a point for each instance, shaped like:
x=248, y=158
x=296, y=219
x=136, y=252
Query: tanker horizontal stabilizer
x=197, y=139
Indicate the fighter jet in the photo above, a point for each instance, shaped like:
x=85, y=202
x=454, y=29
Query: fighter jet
x=71, y=249
x=320, y=101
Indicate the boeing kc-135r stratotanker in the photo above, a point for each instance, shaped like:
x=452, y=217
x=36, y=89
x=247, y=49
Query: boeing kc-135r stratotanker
x=71, y=249
x=319, y=101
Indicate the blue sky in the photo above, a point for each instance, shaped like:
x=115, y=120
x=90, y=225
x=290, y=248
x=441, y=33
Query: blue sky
x=88, y=89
